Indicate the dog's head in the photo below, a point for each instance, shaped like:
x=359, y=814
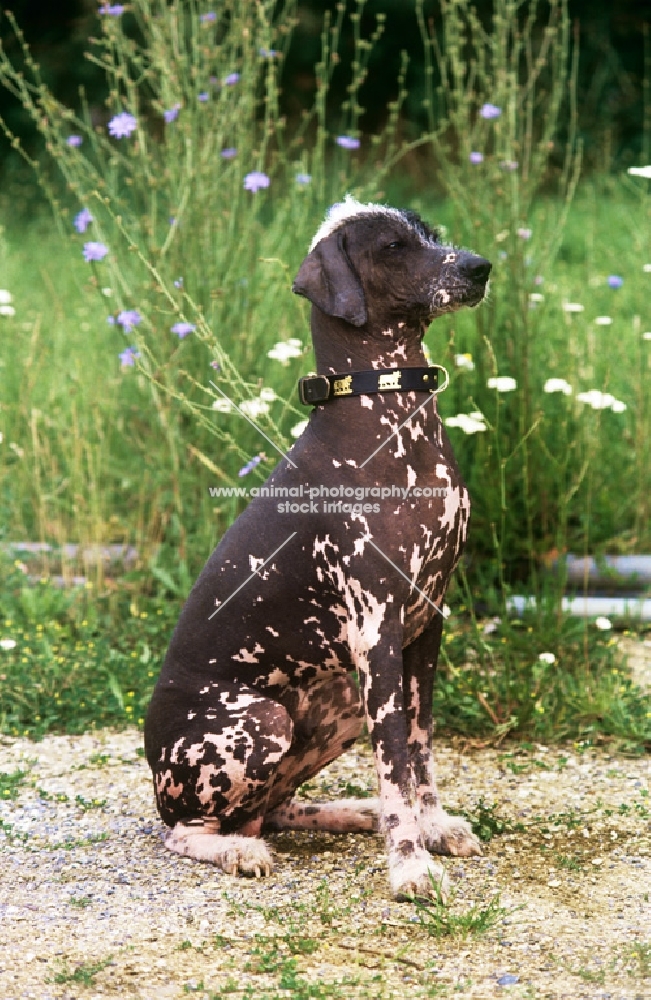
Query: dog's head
x=387, y=263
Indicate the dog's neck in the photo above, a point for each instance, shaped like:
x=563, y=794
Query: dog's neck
x=340, y=347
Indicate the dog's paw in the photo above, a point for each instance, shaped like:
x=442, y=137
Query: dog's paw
x=417, y=877
x=444, y=834
x=235, y=855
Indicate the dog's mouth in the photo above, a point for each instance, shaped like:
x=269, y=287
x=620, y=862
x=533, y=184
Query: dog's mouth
x=457, y=296
x=477, y=294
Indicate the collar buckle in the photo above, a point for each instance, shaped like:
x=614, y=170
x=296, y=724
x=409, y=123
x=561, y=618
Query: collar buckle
x=313, y=389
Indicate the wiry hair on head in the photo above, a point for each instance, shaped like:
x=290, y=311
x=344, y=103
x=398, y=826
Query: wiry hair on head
x=350, y=208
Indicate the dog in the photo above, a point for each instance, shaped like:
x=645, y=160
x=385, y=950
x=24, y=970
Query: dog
x=258, y=691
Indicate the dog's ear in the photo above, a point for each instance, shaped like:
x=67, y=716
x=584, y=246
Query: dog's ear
x=327, y=278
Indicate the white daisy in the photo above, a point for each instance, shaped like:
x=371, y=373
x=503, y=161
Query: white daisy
x=285, y=350
x=466, y=423
x=254, y=407
x=503, y=383
x=558, y=385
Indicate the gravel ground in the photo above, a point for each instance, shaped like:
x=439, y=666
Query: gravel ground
x=92, y=905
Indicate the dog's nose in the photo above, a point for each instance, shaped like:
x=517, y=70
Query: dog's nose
x=476, y=268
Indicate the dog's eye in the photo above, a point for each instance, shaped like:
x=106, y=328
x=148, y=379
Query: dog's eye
x=394, y=245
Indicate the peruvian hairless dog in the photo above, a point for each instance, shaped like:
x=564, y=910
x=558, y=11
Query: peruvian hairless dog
x=267, y=681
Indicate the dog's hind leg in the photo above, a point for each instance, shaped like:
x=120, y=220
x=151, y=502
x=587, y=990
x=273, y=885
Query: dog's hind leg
x=342, y=816
x=328, y=718
x=214, y=773
x=234, y=854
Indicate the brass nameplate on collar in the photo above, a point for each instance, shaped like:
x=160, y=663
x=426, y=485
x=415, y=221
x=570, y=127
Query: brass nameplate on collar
x=342, y=386
x=391, y=381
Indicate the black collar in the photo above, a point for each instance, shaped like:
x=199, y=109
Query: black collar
x=313, y=390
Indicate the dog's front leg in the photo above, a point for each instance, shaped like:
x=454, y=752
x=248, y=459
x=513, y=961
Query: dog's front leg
x=412, y=871
x=442, y=833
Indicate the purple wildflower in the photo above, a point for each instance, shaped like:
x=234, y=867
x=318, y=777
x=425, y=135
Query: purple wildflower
x=122, y=125
x=303, y=179
x=178, y=283
x=82, y=220
x=129, y=318
x=172, y=113
x=490, y=111
x=231, y=79
x=250, y=466
x=229, y=153
x=95, y=251
x=269, y=53
x=347, y=142
x=207, y=18
x=110, y=320
x=74, y=140
x=128, y=357
x=216, y=365
x=476, y=158
x=114, y=10
x=203, y=96
x=183, y=329
x=615, y=281
x=256, y=180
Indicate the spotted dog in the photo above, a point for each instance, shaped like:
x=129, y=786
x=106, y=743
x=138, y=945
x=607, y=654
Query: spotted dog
x=258, y=691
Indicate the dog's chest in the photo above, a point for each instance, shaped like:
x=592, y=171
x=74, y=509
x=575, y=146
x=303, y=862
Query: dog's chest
x=402, y=548
x=399, y=563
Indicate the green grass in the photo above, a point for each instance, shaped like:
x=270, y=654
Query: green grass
x=82, y=660
x=10, y=783
x=83, y=975
x=498, y=681
x=486, y=823
x=438, y=919
x=87, y=658
x=84, y=456
x=93, y=452
x=98, y=453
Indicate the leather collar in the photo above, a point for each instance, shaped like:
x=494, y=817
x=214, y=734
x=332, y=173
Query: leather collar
x=314, y=390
